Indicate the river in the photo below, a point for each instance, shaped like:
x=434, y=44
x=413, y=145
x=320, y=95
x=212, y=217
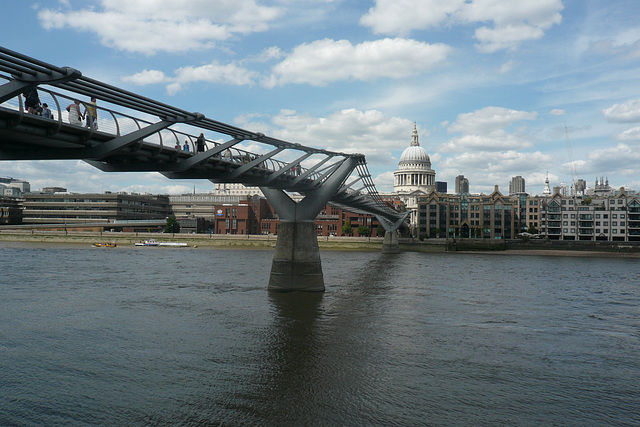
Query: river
x=163, y=336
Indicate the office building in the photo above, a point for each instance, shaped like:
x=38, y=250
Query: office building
x=462, y=184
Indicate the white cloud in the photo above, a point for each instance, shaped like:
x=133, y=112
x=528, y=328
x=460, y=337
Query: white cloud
x=627, y=112
x=513, y=22
x=215, y=73
x=487, y=169
x=268, y=54
x=507, y=66
x=385, y=181
x=400, y=17
x=324, y=61
x=625, y=44
x=557, y=112
x=612, y=159
x=632, y=134
x=159, y=25
x=493, y=141
x=351, y=131
x=146, y=77
x=489, y=119
x=505, y=161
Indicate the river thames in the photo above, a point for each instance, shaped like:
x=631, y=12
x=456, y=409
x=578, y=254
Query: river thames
x=161, y=336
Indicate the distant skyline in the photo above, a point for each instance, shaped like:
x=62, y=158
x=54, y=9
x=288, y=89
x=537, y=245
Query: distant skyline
x=495, y=91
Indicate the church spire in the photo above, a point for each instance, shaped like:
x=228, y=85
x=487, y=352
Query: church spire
x=414, y=137
x=547, y=190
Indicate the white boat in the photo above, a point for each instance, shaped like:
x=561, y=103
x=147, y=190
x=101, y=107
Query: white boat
x=154, y=242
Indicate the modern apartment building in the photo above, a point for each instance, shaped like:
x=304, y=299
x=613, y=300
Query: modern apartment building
x=614, y=217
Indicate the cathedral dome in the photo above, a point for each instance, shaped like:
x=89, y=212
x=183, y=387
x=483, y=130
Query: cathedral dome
x=415, y=154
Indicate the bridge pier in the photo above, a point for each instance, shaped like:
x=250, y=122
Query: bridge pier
x=296, y=262
x=390, y=243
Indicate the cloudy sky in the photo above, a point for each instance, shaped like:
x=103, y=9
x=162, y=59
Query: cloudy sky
x=497, y=88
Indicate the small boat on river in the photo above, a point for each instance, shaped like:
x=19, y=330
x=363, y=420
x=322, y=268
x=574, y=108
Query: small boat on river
x=105, y=245
x=154, y=242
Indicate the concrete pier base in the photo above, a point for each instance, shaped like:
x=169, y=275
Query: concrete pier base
x=296, y=262
x=390, y=243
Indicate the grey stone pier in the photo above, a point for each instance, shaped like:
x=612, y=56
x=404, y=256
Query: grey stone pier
x=296, y=262
x=390, y=243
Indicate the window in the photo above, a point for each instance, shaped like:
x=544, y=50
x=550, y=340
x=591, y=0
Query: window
x=564, y=230
x=614, y=231
x=621, y=216
x=614, y=223
x=614, y=216
x=597, y=215
x=621, y=223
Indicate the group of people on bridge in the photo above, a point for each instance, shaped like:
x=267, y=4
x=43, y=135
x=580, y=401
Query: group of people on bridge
x=201, y=145
x=33, y=105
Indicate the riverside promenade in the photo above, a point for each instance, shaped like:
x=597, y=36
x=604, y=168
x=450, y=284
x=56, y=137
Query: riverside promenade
x=511, y=247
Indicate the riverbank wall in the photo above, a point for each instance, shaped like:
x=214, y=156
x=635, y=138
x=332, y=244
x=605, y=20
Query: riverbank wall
x=533, y=246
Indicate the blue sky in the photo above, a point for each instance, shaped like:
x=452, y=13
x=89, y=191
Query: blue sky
x=497, y=88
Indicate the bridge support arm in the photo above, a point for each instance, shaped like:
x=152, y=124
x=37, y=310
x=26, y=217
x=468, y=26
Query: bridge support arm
x=121, y=142
x=390, y=244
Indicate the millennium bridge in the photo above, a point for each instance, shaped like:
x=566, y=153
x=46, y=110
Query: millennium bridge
x=132, y=133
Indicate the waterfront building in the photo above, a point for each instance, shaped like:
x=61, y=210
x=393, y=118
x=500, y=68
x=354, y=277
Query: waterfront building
x=413, y=178
x=612, y=217
x=467, y=215
x=10, y=191
x=10, y=210
x=12, y=187
x=462, y=184
x=517, y=185
x=93, y=208
x=202, y=205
